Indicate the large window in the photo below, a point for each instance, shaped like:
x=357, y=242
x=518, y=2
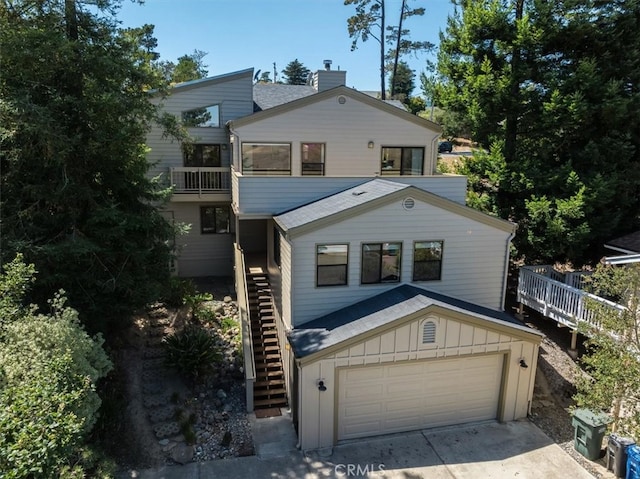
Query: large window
x=313, y=159
x=331, y=264
x=201, y=155
x=427, y=260
x=214, y=220
x=381, y=263
x=205, y=117
x=402, y=161
x=266, y=159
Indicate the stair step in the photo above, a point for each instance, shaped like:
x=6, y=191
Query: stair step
x=269, y=367
x=269, y=392
x=269, y=374
x=267, y=383
x=264, y=403
x=260, y=349
x=266, y=357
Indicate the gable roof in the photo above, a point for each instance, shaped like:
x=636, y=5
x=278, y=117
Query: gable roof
x=332, y=92
x=367, y=196
x=372, y=316
x=189, y=85
x=627, y=244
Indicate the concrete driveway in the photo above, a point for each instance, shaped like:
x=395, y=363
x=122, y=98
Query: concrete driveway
x=486, y=450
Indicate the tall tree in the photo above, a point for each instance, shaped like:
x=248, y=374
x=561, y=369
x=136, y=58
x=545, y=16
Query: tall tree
x=74, y=113
x=402, y=78
x=189, y=67
x=295, y=73
x=370, y=21
x=519, y=75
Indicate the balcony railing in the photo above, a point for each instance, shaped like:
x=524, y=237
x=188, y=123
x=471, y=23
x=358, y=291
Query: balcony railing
x=199, y=180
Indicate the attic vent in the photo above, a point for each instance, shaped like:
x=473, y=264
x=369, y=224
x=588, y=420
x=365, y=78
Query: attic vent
x=358, y=192
x=429, y=332
x=342, y=100
x=408, y=203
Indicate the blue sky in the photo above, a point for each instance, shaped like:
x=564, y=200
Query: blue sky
x=240, y=34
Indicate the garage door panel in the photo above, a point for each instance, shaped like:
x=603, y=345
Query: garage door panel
x=418, y=395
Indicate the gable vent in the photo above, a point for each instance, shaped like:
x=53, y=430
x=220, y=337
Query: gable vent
x=429, y=332
x=342, y=99
x=408, y=203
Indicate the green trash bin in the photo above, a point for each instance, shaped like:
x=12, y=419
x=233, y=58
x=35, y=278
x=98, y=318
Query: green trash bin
x=589, y=431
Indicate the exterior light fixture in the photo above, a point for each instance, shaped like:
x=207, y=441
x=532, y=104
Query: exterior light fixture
x=321, y=386
x=523, y=364
x=370, y=144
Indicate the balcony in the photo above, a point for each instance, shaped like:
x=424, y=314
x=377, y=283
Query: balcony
x=201, y=183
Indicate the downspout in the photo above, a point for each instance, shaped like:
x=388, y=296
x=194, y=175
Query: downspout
x=434, y=154
x=506, y=267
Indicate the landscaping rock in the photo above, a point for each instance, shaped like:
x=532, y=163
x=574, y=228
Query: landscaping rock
x=182, y=453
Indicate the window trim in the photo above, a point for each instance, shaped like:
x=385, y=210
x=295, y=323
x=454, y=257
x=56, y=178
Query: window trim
x=322, y=163
x=218, y=122
x=264, y=172
x=401, y=171
x=413, y=272
x=346, y=265
x=215, y=222
x=380, y=279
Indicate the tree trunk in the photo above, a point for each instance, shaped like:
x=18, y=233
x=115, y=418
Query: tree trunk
x=382, y=43
x=395, y=60
x=513, y=111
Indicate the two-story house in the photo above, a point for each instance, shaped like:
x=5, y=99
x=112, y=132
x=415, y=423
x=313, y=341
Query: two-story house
x=384, y=291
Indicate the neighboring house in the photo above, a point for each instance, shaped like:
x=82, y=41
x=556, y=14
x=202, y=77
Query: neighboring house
x=386, y=292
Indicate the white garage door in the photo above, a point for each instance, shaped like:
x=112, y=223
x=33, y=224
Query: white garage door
x=415, y=395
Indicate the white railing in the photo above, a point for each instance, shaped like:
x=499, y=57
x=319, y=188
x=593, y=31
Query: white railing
x=544, y=290
x=245, y=322
x=200, y=179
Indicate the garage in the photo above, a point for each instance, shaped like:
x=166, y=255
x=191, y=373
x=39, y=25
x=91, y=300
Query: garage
x=384, y=399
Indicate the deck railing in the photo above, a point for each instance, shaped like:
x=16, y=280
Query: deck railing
x=201, y=180
x=245, y=322
x=545, y=290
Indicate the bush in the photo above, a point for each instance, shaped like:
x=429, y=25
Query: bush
x=191, y=351
x=177, y=290
x=49, y=367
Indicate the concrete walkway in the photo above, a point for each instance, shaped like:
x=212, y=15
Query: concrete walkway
x=486, y=450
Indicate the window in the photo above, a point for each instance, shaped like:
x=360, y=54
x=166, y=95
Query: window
x=381, y=263
x=266, y=159
x=313, y=159
x=428, y=332
x=427, y=260
x=331, y=264
x=201, y=155
x=214, y=220
x=402, y=161
x=276, y=246
x=205, y=117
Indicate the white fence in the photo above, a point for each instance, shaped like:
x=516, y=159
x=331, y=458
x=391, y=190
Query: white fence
x=557, y=295
x=200, y=180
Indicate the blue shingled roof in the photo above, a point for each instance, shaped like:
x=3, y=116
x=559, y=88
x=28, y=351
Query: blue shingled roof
x=367, y=315
x=338, y=202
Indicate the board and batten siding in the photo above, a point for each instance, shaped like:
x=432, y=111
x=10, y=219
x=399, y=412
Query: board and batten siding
x=235, y=97
x=456, y=338
x=201, y=254
x=473, y=264
x=256, y=195
x=346, y=154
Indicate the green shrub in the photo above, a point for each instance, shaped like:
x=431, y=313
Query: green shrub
x=177, y=290
x=191, y=351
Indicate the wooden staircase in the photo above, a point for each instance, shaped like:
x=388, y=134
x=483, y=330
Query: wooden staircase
x=269, y=388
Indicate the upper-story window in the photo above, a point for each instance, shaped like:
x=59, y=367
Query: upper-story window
x=204, y=117
x=201, y=155
x=266, y=159
x=427, y=260
x=398, y=160
x=381, y=263
x=332, y=264
x=313, y=159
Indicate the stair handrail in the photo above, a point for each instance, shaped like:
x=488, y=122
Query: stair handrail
x=245, y=321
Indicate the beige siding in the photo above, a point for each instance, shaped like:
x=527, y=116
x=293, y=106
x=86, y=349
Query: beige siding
x=198, y=254
x=318, y=420
x=235, y=98
x=327, y=121
x=473, y=266
x=272, y=195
